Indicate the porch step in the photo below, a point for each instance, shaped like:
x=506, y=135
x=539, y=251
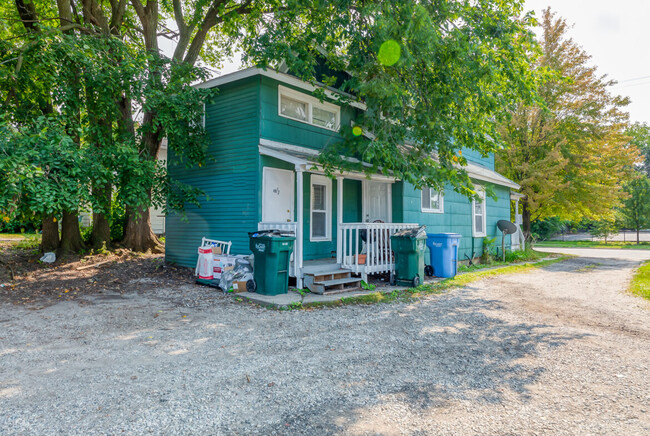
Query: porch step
x=337, y=285
x=333, y=281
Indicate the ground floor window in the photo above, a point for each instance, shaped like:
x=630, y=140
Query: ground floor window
x=432, y=201
x=478, y=215
x=321, y=208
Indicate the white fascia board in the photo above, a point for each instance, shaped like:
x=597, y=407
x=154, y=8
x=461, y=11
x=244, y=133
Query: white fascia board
x=280, y=77
x=282, y=156
x=282, y=151
x=479, y=173
x=516, y=195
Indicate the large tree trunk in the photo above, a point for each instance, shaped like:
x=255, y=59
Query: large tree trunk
x=101, y=235
x=70, y=235
x=138, y=235
x=525, y=224
x=50, y=236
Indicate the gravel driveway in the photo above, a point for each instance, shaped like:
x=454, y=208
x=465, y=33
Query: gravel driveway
x=562, y=350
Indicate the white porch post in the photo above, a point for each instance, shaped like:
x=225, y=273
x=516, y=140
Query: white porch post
x=299, y=226
x=339, y=219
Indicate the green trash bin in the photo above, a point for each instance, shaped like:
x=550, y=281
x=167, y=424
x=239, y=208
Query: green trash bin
x=272, y=252
x=408, y=246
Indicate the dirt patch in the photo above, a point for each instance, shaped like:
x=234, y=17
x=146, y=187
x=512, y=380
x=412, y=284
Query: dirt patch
x=24, y=279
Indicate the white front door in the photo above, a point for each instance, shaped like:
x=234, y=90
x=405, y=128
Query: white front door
x=376, y=201
x=277, y=195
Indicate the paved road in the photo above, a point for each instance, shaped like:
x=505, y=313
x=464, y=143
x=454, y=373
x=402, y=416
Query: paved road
x=560, y=350
x=629, y=236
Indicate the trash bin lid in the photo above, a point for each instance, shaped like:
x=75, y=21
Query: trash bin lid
x=444, y=235
x=411, y=233
x=275, y=233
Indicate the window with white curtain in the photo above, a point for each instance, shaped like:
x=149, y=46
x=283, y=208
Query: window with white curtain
x=479, y=215
x=432, y=201
x=321, y=208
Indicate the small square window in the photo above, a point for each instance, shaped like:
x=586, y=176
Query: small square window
x=432, y=201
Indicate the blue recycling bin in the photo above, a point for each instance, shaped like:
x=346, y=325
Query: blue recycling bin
x=444, y=253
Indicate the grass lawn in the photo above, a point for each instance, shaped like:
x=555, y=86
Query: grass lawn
x=511, y=257
x=12, y=236
x=641, y=281
x=594, y=244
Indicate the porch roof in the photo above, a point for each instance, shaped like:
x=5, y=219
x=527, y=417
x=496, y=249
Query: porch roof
x=307, y=157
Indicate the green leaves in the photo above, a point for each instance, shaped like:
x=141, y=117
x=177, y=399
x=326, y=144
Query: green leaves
x=434, y=76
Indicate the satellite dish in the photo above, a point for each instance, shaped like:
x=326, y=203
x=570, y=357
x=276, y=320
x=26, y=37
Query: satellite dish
x=506, y=227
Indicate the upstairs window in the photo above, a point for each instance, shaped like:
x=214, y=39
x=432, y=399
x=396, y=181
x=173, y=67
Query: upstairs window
x=479, y=216
x=307, y=109
x=432, y=201
x=293, y=108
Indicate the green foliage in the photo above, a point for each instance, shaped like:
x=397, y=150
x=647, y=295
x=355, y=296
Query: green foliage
x=487, y=257
x=568, y=151
x=640, y=284
x=594, y=244
x=21, y=224
x=433, y=77
x=29, y=242
x=542, y=229
x=368, y=286
x=86, y=232
x=523, y=255
x=635, y=209
x=639, y=134
x=604, y=229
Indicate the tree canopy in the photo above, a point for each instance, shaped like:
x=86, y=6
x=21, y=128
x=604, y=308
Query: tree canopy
x=569, y=152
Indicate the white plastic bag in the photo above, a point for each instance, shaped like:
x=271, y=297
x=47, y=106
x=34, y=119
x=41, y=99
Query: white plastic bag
x=48, y=257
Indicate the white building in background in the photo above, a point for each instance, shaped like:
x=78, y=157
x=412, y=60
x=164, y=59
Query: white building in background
x=157, y=216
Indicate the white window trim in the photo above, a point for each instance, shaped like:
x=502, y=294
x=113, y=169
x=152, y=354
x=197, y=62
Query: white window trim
x=481, y=193
x=320, y=180
x=311, y=103
x=440, y=209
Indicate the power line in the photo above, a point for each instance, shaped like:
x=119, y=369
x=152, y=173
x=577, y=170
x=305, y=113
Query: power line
x=634, y=79
x=633, y=84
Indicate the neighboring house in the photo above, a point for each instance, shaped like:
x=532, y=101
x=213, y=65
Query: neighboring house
x=266, y=131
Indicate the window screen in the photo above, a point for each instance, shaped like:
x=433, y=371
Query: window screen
x=293, y=108
x=323, y=118
x=319, y=211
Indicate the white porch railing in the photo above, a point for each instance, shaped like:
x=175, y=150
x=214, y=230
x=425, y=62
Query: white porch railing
x=284, y=226
x=376, y=248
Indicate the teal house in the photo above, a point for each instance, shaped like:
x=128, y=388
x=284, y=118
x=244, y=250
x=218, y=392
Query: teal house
x=266, y=130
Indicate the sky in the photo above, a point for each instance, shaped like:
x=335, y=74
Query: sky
x=616, y=34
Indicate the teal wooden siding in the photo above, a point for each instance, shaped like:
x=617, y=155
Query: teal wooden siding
x=286, y=130
x=476, y=157
x=352, y=201
x=457, y=216
x=231, y=181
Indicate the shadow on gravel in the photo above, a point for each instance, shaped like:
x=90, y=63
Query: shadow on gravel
x=464, y=354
